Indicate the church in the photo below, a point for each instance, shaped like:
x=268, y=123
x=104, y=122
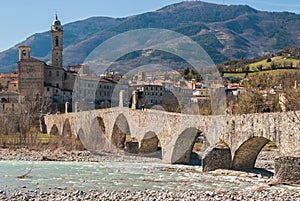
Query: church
x=52, y=82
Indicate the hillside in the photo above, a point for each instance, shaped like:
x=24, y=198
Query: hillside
x=225, y=32
x=278, y=63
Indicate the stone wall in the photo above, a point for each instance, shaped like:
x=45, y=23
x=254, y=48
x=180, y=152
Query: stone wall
x=287, y=169
x=149, y=145
x=216, y=158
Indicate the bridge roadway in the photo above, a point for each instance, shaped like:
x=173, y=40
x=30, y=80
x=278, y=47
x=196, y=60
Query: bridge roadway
x=246, y=135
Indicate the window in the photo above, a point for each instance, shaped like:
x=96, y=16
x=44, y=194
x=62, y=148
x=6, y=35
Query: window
x=56, y=41
x=57, y=85
x=57, y=73
x=48, y=89
x=50, y=73
x=24, y=54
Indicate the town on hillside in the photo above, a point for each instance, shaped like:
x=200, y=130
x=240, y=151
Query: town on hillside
x=51, y=86
x=194, y=101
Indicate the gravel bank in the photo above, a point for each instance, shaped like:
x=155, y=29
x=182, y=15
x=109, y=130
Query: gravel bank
x=264, y=160
x=259, y=194
x=80, y=156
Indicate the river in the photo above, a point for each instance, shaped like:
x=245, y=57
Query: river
x=53, y=176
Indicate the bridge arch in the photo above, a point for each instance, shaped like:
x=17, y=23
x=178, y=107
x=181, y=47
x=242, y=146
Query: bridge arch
x=149, y=143
x=183, y=146
x=67, y=131
x=97, y=127
x=54, y=130
x=119, y=132
x=245, y=156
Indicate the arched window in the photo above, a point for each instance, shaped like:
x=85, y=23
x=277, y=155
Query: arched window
x=56, y=41
x=24, y=53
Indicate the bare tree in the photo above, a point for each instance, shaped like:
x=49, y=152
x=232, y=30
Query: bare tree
x=32, y=109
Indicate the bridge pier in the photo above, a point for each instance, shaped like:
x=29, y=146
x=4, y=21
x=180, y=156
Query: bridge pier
x=287, y=169
x=216, y=158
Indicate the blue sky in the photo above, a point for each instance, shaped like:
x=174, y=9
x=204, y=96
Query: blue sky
x=20, y=19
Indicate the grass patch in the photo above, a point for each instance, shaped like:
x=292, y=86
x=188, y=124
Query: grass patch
x=269, y=146
x=128, y=138
x=277, y=61
x=39, y=141
x=241, y=75
x=275, y=72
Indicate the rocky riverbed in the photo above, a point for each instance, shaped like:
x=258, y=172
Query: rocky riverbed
x=259, y=194
x=80, y=156
x=262, y=192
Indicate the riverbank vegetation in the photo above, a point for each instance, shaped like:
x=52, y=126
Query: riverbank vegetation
x=34, y=140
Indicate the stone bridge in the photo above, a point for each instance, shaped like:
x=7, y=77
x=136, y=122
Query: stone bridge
x=245, y=135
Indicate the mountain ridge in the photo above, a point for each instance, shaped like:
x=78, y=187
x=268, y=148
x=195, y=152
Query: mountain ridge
x=225, y=32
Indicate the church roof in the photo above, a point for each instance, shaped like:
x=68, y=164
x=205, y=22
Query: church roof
x=56, y=25
x=31, y=59
x=56, y=21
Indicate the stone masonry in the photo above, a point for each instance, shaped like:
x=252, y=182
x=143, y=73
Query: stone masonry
x=176, y=133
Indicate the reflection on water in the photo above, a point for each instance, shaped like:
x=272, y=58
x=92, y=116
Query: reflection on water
x=115, y=176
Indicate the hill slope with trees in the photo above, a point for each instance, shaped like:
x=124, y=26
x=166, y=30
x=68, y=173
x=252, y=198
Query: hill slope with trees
x=225, y=32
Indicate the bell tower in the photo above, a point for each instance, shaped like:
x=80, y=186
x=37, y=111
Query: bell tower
x=57, y=43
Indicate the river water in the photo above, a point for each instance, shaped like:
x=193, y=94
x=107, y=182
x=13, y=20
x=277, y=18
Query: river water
x=49, y=175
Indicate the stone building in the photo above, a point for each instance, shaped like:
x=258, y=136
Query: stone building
x=52, y=83
x=8, y=80
x=94, y=90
